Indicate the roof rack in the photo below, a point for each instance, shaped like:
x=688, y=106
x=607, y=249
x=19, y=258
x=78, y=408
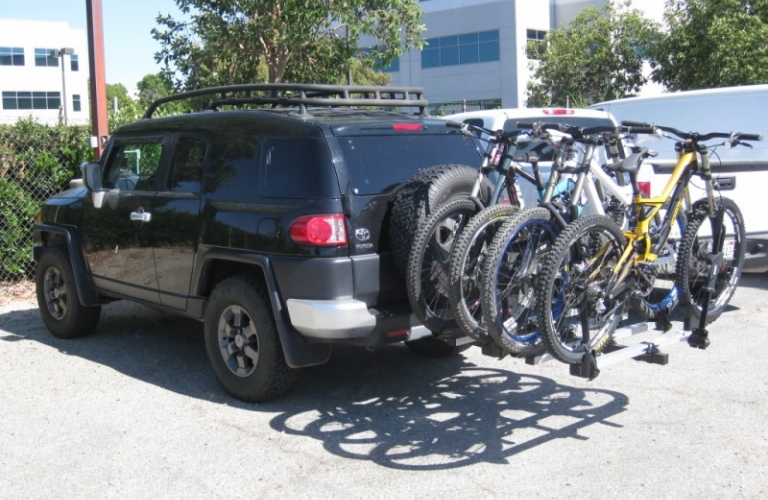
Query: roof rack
x=303, y=95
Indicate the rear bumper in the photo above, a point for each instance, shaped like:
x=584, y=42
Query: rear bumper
x=351, y=321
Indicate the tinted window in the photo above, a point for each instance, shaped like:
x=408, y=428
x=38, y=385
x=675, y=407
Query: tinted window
x=543, y=149
x=297, y=168
x=233, y=174
x=379, y=163
x=133, y=164
x=187, y=162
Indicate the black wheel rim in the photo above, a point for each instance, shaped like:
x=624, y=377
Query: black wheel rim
x=56, y=293
x=238, y=341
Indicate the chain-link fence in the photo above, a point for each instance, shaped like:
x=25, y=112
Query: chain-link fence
x=36, y=162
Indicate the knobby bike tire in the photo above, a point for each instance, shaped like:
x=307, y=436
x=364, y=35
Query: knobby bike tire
x=466, y=262
x=691, y=266
x=558, y=343
x=427, y=275
x=498, y=272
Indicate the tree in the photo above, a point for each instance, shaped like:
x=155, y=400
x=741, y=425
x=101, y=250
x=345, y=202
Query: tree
x=713, y=43
x=227, y=41
x=127, y=111
x=598, y=56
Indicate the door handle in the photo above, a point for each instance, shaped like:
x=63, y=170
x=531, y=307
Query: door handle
x=141, y=216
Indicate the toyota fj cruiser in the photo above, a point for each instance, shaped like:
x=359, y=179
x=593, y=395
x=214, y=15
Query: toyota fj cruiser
x=265, y=216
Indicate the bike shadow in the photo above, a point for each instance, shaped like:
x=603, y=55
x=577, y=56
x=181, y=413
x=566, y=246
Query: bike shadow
x=389, y=406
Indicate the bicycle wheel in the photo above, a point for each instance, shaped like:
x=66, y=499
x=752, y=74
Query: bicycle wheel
x=510, y=270
x=692, y=262
x=575, y=310
x=656, y=291
x=467, y=260
x=427, y=271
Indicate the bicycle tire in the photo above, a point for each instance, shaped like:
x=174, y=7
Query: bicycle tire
x=420, y=197
x=564, y=344
x=466, y=262
x=691, y=264
x=427, y=276
x=505, y=309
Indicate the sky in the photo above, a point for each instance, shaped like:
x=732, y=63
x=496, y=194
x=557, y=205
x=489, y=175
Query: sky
x=128, y=45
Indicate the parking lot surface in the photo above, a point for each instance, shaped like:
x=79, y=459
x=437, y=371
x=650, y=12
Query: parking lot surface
x=134, y=411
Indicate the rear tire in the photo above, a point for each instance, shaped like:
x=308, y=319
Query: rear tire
x=427, y=278
x=691, y=262
x=57, y=297
x=242, y=343
x=466, y=263
x=508, y=291
x=418, y=199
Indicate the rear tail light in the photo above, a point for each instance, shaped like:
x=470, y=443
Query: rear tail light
x=320, y=230
x=645, y=188
x=559, y=112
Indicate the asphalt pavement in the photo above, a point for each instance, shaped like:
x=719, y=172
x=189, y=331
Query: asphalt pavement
x=134, y=411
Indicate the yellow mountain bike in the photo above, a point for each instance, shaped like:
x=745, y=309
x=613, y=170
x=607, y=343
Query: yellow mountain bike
x=594, y=267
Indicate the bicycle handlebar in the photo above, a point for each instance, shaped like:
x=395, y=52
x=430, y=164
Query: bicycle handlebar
x=739, y=136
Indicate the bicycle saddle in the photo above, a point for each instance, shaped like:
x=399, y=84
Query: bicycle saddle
x=631, y=163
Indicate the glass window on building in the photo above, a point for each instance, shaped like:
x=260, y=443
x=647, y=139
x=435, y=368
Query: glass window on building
x=468, y=48
x=76, y=106
x=11, y=56
x=536, y=43
x=31, y=100
x=44, y=57
x=74, y=63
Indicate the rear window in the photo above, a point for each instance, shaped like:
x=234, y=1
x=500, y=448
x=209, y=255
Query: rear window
x=544, y=150
x=379, y=163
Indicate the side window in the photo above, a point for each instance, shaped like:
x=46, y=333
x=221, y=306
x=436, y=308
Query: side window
x=187, y=161
x=297, y=168
x=133, y=164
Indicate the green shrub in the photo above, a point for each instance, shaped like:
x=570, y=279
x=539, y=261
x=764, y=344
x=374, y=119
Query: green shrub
x=36, y=162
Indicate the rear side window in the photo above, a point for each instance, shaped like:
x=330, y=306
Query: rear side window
x=297, y=168
x=544, y=150
x=187, y=163
x=379, y=163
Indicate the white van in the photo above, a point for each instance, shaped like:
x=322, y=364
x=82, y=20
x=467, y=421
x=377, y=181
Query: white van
x=742, y=172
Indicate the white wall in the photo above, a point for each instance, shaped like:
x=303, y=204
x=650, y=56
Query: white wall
x=33, y=35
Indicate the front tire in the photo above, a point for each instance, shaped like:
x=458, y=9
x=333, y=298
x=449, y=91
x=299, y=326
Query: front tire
x=242, y=342
x=57, y=298
x=691, y=259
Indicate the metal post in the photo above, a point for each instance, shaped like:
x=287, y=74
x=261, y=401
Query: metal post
x=349, y=62
x=98, y=90
x=62, y=59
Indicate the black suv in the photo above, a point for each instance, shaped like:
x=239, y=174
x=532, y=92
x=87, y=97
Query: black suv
x=269, y=224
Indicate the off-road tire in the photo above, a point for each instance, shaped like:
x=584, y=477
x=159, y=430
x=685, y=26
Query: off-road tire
x=499, y=246
x=422, y=288
x=420, y=196
x=270, y=377
x=547, y=279
x=685, y=265
x=479, y=226
x=75, y=319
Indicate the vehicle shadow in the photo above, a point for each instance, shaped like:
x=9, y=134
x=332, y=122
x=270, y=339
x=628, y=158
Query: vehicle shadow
x=389, y=406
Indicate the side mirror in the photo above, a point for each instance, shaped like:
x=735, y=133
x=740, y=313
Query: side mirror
x=92, y=179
